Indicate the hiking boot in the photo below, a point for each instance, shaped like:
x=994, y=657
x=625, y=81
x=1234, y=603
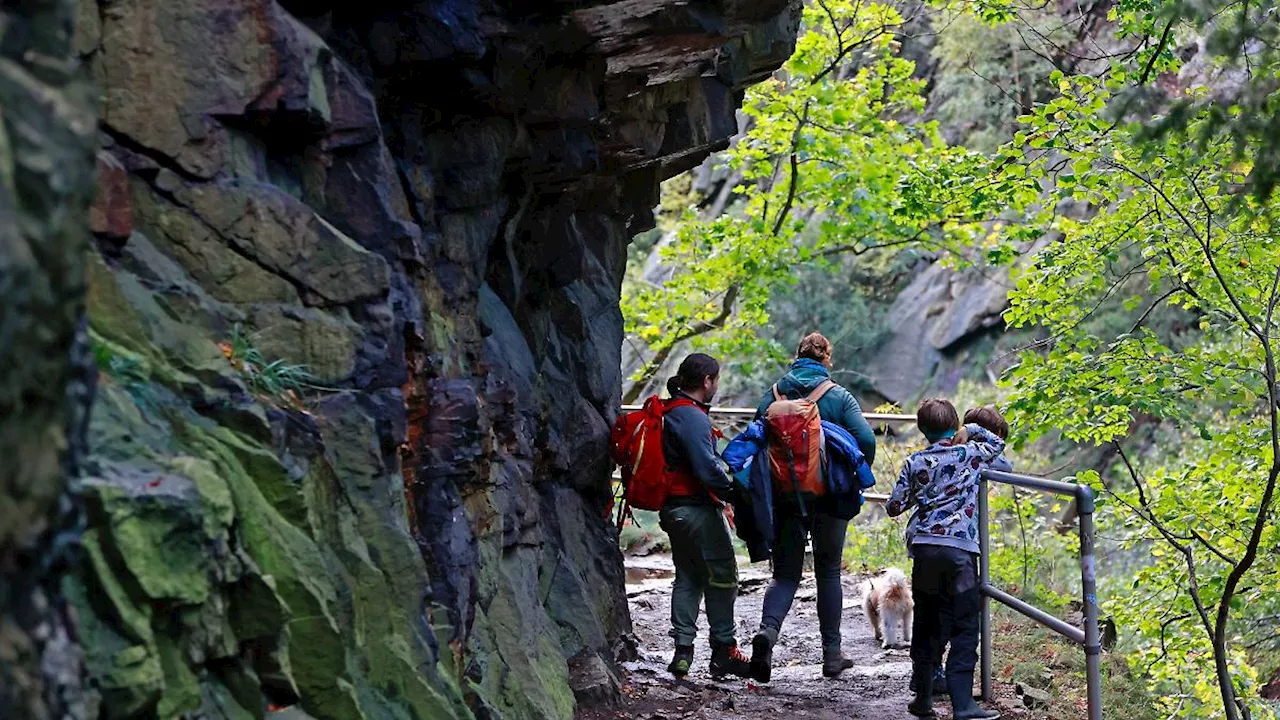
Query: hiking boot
x=762, y=653
x=682, y=661
x=939, y=682
x=922, y=682
x=729, y=660
x=962, y=705
x=834, y=662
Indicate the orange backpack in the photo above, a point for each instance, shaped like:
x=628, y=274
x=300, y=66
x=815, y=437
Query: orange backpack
x=794, y=432
x=636, y=444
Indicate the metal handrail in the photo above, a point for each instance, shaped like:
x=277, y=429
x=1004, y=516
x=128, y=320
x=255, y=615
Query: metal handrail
x=1088, y=638
x=737, y=411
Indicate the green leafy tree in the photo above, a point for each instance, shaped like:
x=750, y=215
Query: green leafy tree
x=1174, y=215
x=988, y=75
x=831, y=166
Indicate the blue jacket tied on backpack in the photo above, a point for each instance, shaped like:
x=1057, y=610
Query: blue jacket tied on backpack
x=846, y=474
x=748, y=459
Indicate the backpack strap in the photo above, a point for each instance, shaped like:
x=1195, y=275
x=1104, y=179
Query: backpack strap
x=675, y=402
x=777, y=396
x=819, y=391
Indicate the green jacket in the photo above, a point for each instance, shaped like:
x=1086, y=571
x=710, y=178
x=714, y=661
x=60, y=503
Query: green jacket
x=837, y=406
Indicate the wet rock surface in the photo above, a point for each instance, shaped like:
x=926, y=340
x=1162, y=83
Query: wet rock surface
x=427, y=205
x=876, y=687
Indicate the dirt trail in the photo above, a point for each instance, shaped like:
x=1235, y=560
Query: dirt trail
x=874, y=689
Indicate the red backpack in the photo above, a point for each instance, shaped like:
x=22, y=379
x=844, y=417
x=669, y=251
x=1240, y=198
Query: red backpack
x=636, y=444
x=794, y=432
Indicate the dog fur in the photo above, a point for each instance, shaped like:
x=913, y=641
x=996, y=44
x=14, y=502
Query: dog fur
x=889, y=607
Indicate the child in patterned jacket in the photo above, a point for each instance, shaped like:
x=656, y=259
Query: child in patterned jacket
x=990, y=419
x=941, y=483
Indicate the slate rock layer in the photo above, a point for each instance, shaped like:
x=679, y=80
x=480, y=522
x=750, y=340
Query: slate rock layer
x=427, y=204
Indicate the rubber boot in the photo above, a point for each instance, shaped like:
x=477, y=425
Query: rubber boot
x=682, y=661
x=762, y=653
x=962, y=705
x=729, y=660
x=922, y=680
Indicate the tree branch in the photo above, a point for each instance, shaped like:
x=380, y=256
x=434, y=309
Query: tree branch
x=794, y=181
x=1155, y=304
x=1151, y=61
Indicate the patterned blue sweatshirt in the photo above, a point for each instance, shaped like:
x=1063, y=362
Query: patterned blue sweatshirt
x=941, y=483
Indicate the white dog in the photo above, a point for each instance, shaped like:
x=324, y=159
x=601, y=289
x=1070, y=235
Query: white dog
x=886, y=600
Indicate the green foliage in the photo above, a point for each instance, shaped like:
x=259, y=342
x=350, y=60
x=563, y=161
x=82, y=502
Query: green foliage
x=118, y=363
x=1027, y=653
x=1240, y=58
x=1172, y=218
x=874, y=543
x=989, y=74
x=277, y=379
x=829, y=168
x=129, y=370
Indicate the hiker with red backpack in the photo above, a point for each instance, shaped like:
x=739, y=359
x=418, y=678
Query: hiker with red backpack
x=793, y=410
x=669, y=464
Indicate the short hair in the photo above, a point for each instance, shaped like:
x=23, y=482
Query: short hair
x=936, y=416
x=814, y=346
x=990, y=418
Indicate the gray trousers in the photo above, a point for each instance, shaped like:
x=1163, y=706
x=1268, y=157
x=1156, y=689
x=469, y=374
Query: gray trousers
x=828, y=535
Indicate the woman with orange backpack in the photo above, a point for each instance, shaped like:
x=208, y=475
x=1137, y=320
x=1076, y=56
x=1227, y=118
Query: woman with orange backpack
x=793, y=410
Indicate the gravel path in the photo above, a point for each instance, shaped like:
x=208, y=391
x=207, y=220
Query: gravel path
x=874, y=689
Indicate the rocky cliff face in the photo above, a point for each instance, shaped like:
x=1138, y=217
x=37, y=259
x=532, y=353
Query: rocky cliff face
x=46, y=140
x=934, y=324
x=428, y=205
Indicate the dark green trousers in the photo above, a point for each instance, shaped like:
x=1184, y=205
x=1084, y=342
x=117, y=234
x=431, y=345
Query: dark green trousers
x=706, y=567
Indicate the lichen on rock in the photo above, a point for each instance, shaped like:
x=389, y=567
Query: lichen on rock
x=427, y=205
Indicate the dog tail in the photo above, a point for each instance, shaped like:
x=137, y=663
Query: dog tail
x=897, y=590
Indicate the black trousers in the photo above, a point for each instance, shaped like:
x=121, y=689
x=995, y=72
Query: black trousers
x=944, y=581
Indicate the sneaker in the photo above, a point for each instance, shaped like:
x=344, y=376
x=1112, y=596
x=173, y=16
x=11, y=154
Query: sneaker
x=682, y=661
x=729, y=660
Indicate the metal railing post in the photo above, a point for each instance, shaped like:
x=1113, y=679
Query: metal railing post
x=1088, y=581
x=984, y=563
